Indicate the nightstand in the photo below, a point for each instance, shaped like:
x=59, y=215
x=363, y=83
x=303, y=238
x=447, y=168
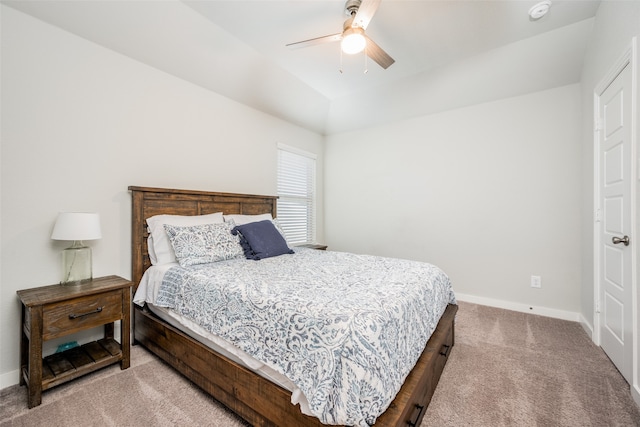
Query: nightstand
x=314, y=246
x=53, y=311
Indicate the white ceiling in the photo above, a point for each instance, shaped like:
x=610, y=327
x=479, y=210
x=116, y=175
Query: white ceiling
x=449, y=53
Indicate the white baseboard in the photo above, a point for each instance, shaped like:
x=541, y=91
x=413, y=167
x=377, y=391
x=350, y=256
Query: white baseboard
x=523, y=308
x=9, y=378
x=635, y=393
x=588, y=327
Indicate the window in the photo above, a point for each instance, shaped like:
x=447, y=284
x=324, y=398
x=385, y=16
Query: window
x=297, y=194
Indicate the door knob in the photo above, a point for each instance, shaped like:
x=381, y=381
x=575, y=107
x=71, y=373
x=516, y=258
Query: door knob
x=618, y=240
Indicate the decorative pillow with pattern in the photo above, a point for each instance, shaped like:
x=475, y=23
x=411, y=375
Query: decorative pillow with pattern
x=202, y=244
x=160, y=249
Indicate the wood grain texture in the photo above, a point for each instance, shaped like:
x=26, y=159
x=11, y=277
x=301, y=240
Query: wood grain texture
x=257, y=400
x=147, y=202
x=64, y=318
x=53, y=311
x=56, y=293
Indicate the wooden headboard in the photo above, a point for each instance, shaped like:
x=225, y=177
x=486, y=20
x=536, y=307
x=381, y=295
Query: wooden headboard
x=147, y=202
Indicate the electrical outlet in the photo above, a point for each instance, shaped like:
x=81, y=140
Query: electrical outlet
x=536, y=282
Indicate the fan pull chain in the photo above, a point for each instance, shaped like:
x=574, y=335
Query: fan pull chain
x=366, y=61
x=340, y=69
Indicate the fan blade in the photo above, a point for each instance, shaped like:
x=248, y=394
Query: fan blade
x=316, y=41
x=365, y=12
x=376, y=53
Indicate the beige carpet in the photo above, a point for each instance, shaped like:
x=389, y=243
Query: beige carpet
x=518, y=369
x=506, y=369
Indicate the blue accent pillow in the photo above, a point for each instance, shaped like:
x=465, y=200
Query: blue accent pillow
x=261, y=240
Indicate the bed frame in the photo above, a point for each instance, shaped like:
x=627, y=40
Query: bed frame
x=257, y=400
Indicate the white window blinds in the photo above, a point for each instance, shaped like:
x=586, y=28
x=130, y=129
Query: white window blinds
x=297, y=195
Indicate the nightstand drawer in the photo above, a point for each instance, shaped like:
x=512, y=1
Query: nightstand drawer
x=60, y=319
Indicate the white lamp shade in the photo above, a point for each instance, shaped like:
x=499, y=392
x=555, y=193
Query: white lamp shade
x=77, y=226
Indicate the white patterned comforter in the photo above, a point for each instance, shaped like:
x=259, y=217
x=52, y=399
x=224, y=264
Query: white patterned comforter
x=346, y=329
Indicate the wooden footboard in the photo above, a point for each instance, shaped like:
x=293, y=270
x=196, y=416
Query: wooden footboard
x=263, y=403
x=411, y=402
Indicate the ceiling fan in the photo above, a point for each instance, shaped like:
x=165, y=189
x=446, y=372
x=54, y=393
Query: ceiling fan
x=353, y=38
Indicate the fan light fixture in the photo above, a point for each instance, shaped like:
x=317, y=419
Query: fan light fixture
x=353, y=40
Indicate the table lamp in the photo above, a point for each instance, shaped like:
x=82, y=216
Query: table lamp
x=76, y=259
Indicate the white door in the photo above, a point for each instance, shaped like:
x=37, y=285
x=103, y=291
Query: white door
x=616, y=222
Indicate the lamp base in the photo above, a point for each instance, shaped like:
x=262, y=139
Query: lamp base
x=76, y=264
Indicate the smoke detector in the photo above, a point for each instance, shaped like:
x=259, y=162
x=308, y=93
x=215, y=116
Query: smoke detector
x=540, y=9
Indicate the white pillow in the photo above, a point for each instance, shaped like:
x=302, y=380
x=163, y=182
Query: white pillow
x=160, y=249
x=246, y=219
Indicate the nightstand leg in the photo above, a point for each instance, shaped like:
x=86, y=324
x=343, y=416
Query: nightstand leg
x=125, y=329
x=35, y=357
x=24, y=346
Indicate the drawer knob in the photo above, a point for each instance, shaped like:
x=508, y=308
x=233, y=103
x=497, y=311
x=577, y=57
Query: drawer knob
x=75, y=316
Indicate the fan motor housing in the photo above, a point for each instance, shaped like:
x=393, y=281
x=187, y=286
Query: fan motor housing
x=352, y=6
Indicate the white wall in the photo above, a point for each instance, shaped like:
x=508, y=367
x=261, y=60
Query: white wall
x=616, y=23
x=80, y=123
x=490, y=193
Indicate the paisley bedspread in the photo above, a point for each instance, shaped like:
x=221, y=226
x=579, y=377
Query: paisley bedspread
x=346, y=329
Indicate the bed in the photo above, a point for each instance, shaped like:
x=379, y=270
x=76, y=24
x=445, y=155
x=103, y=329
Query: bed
x=254, y=396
